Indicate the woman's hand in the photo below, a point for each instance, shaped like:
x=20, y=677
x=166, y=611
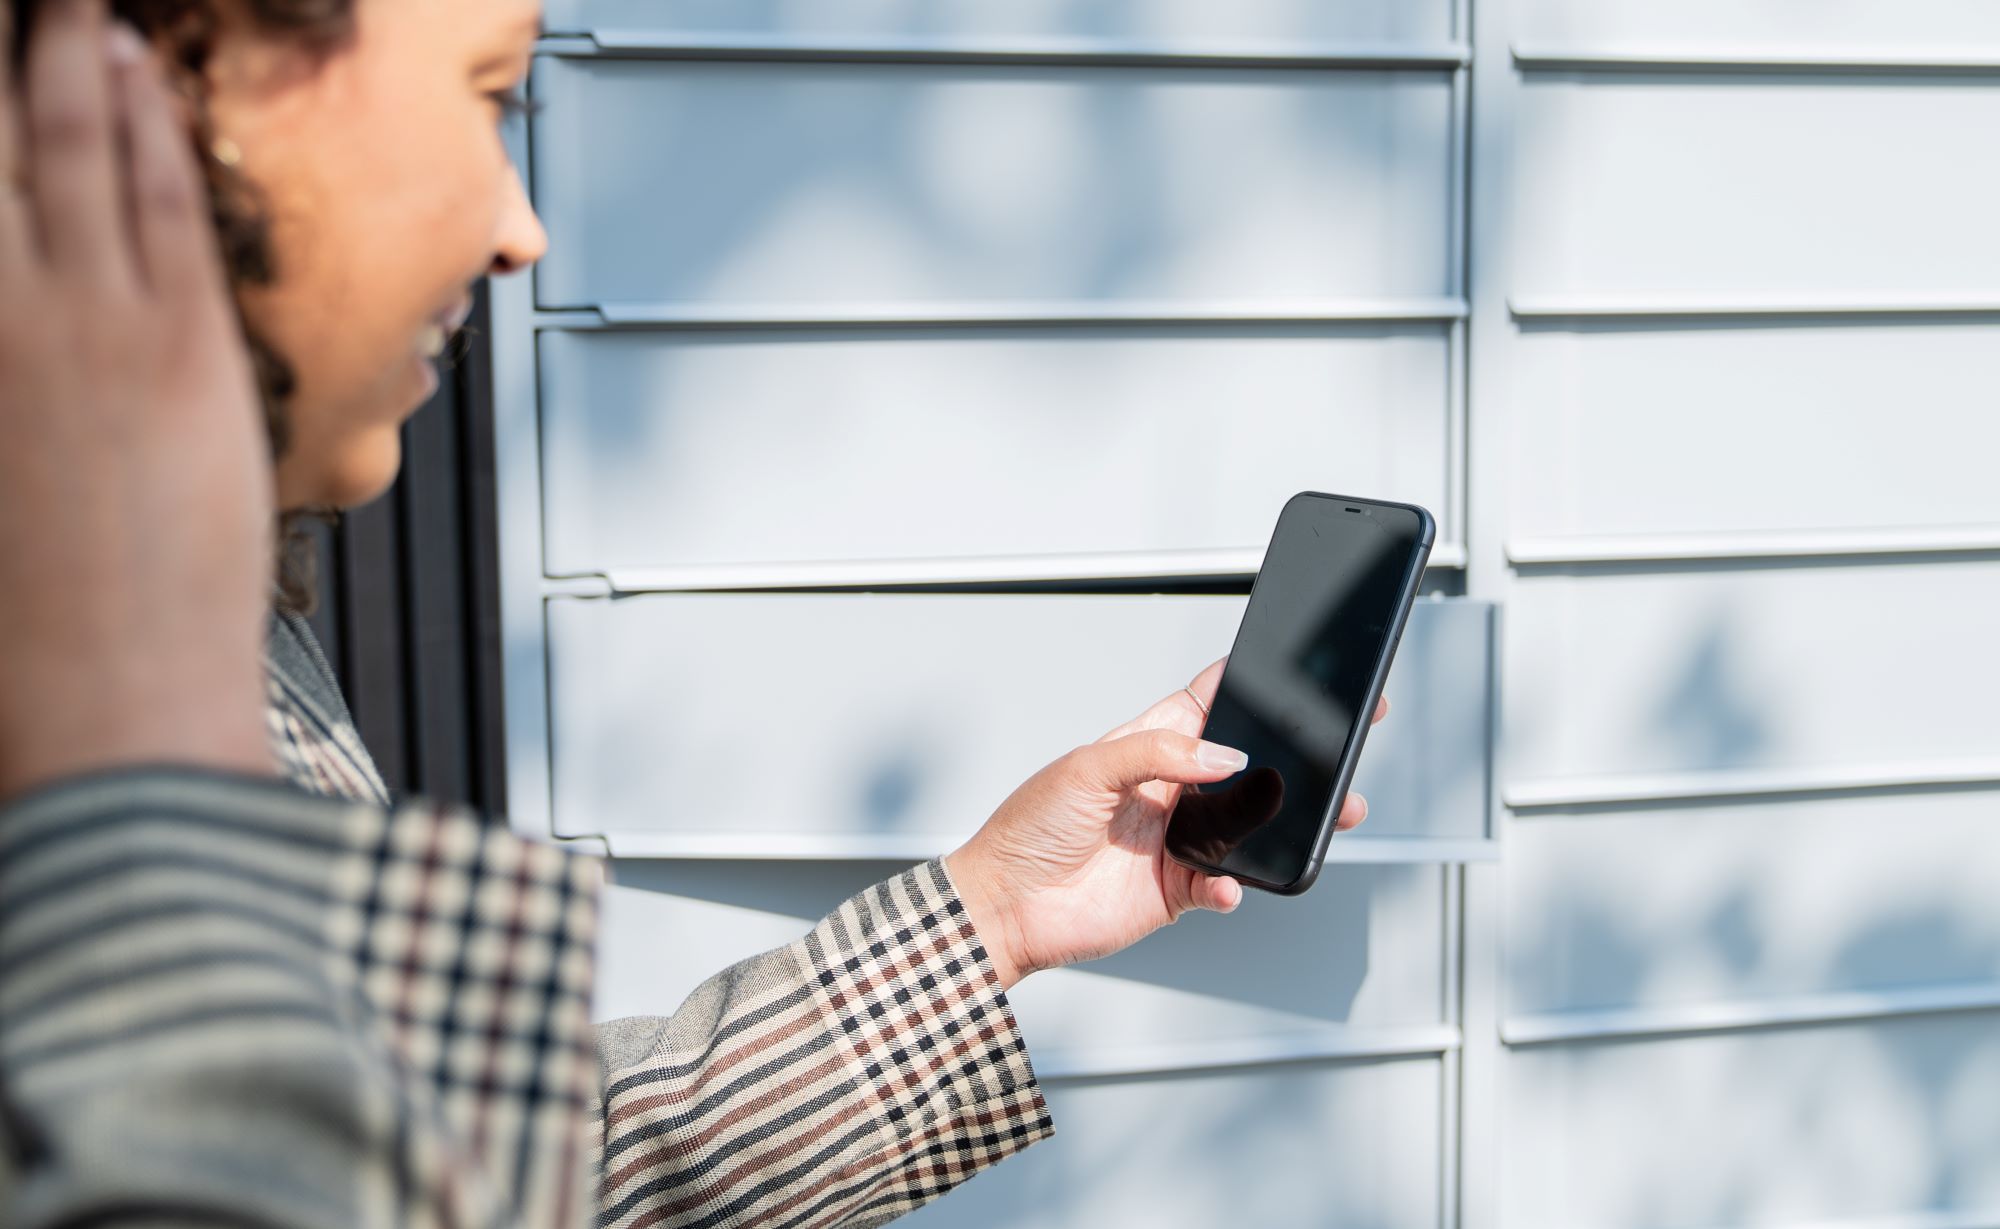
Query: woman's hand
x=135, y=484
x=1073, y=866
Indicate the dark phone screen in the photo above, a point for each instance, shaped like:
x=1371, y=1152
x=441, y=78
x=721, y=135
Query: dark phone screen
x=1320, y=617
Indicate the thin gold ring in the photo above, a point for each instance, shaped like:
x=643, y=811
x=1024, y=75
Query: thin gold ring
x=1197, y=702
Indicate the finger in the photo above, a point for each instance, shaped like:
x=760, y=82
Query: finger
x=1194, y=889
x=71, y=141
x=7, y=139
x=1381, y=711
x=1352, y=812
x=1154, y=755
x=1206, y=683
x=1179, y=710
x=170, y=227
x=14, y=222
x=1218, y=893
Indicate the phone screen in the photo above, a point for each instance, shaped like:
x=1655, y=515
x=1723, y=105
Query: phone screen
x=1321, y=616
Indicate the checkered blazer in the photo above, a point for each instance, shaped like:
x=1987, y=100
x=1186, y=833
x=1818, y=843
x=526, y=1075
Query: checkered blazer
x=231, y=1001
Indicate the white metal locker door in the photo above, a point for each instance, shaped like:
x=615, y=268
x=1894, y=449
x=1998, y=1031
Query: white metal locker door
x=1054, y=304
x=1735, y=304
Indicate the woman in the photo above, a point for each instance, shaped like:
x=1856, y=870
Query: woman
x=229, y=998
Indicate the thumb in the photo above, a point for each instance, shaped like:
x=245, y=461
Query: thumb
x=1218, y=893
x=1156, y=755
x=1192, y=889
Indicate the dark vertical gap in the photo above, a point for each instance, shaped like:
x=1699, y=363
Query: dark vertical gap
x=420, y=772
x=371, y=602
x=486, y=737
x=436, y=622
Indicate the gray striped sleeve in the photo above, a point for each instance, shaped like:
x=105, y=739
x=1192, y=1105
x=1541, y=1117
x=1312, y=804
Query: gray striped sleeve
x=178, y=1045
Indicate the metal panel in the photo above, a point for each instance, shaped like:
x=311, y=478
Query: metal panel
x=1737, y=278
x=908, y=718
x=1682, y=674
x=1797, y=26
x=1807, y=1126
x=1482, y=1136
x=1729, y=272
x=1371, y=936
x=1712, y=186
x=1280, y=22
x=844, y=184
x=1344, y=1146
x=709, y=448
x=1748, y=903
x=1705, y=430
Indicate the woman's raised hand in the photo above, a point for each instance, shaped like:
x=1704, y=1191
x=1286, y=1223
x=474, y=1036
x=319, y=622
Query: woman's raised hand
x=1073, y=866
x=135, y=481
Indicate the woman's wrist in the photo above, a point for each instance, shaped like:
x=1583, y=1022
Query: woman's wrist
x=987, y=907
x=83, y=721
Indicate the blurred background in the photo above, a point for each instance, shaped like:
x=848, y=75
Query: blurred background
x=909, y=394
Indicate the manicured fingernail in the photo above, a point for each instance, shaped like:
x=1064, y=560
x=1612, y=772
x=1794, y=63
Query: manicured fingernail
x=1218, y=758
x=123, y=44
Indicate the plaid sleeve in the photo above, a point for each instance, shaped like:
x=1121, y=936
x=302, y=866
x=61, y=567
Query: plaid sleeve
x=843, y=1080
x=228, y=1002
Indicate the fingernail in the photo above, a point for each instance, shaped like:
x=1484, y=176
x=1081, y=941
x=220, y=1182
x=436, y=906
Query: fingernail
x=1218, y=758
x=123, y=44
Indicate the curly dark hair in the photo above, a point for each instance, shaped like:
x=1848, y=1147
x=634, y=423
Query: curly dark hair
x=185, y=32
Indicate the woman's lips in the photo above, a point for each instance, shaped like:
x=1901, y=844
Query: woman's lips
x=437, y=334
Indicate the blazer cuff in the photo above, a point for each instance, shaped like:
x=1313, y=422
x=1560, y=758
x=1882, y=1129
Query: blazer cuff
x=902, y=975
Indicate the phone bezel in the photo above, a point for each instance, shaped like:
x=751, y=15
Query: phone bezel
x=1378, y=678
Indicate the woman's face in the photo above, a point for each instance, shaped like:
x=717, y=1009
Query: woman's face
x=389, y=195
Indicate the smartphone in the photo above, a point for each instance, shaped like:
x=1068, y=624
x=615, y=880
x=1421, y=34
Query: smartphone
x=1325, y=615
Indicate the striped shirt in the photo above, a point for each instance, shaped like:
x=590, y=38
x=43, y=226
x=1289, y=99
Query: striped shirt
x=236, y=1002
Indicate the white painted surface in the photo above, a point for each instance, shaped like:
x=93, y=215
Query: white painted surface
x=1717, y=437
x=702, y=448
x=1744, y=430
x=1964, y=26
x=1277, y=22
x=742, y=717
x=1718, y=185
x=1797, y=1126
x=744, y=184
x=1350, y=1146
x=1734, y=667
x=1747, y=901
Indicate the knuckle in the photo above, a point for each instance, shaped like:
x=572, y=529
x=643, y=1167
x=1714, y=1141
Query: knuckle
x=164, y=196
x=1082, y=763
x=64, y=130
x=1165, y=744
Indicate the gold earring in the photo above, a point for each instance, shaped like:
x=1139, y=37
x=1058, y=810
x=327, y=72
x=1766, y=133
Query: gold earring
x=227, y=152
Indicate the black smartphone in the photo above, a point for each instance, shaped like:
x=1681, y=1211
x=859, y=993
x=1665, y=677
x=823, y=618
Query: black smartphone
x=1325, y=615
